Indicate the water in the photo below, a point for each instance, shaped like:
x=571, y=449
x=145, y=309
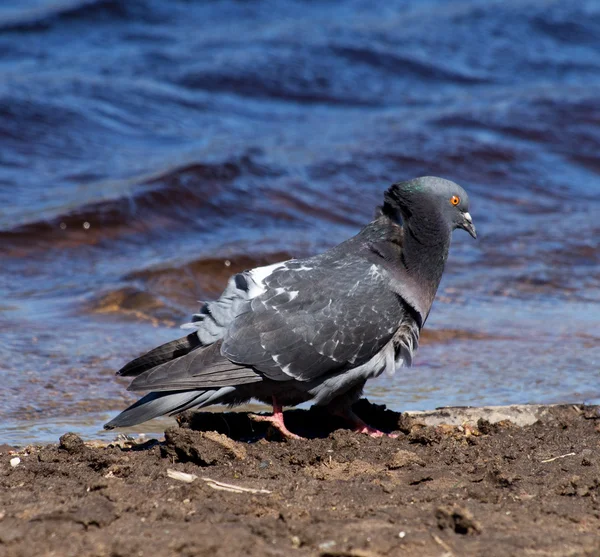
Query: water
x=149, y=149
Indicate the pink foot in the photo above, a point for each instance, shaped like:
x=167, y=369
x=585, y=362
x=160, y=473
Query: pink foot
x=370, y=431
x=276, y=420
x=360, y=426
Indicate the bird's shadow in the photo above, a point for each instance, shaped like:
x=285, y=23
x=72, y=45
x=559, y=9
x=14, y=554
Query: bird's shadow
x=311, y=424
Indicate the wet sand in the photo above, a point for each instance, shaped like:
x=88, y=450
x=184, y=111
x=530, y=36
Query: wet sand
x=469, y=489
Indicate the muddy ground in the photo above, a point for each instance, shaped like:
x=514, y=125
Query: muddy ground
x=475, y=489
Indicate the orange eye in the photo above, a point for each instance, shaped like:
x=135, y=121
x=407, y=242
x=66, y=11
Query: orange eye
x=455, y=200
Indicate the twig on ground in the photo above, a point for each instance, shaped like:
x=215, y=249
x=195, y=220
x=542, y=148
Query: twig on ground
x=233, y=488
x=557, y=457
x=349, y=553
x=189, y=478
x=444, y=545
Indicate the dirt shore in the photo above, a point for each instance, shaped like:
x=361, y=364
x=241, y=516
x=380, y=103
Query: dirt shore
x=471, y=489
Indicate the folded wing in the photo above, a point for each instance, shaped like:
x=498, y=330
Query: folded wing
x=315, y=319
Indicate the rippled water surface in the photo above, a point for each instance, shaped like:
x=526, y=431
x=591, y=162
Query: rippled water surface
x=148, y=149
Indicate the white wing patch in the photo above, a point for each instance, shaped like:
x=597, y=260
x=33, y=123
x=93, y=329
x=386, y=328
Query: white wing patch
x=374, y=271
x=286, y=368
x=257, y=276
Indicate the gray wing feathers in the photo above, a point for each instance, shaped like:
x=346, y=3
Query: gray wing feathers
x=308, y=323
x=211, y=322
x=188, y=363
x=203, y=368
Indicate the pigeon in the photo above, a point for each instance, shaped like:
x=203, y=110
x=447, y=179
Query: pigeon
x=314, y=329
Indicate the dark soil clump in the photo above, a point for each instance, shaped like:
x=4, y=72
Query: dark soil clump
x=474, y=489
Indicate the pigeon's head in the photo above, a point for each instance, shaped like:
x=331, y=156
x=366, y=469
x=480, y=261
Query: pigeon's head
x=428, y=201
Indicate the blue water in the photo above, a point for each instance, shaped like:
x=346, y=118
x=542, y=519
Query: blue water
x=148, y=149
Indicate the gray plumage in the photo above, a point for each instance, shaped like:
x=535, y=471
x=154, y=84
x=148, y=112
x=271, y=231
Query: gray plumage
x=316, y=328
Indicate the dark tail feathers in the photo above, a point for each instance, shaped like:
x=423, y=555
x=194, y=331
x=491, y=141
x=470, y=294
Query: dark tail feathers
x=160, y=355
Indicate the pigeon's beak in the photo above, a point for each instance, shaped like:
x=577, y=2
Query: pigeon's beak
x=467, y=224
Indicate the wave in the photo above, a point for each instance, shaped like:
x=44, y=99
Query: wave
x=135, y=304
x=53, y=13
x=328, y=74
x=196, y=194
x=411, y=67
x=575, y=24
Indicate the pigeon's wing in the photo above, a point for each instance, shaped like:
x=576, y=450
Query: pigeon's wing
x=213, y=319
x=208, y=326
x=315, y=317
x=202, y=368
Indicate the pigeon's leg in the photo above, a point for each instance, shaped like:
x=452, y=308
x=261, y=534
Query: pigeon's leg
x=360, y=426
x=276, y=420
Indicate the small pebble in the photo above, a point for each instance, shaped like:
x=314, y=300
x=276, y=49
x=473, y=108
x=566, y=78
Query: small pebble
x=402, y=534
x=14, y=462
x=71, y=442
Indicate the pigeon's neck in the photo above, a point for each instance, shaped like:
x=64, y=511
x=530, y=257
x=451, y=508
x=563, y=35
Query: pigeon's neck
x=415, y=259
x=424, y=255
x=425, y=252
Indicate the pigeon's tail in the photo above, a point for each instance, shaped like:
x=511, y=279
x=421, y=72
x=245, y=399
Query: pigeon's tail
x=160, y=355
x=158, y=404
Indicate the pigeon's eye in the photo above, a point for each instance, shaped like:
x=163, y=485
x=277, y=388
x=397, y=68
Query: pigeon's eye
x=455, y=200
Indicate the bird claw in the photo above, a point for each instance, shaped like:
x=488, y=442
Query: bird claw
x=277, y=422
x=373, y=432
x=360, y=426
x=370, y=431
